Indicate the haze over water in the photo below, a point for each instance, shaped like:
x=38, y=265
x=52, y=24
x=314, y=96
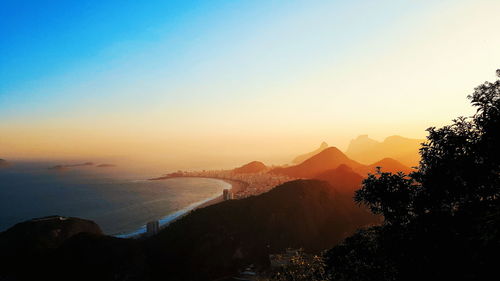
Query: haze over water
x=119, y=202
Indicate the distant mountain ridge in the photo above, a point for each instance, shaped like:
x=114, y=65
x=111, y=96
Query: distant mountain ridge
x=333, y=166
x=366, y=150
x=329, y=158
x=3, y=163
x=301, y=158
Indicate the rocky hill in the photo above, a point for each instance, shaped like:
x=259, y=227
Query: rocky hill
x=250, y=168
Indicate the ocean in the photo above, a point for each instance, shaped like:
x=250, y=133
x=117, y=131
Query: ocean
x=120, y=202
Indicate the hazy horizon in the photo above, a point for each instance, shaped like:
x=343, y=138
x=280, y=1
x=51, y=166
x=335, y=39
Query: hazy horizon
x=189, y=84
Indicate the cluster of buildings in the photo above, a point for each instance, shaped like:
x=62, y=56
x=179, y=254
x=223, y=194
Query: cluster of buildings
x=251, y=183
x=227, y=194
x=258, y=183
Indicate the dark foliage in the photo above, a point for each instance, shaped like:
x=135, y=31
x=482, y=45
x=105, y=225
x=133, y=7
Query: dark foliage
x=441, y=221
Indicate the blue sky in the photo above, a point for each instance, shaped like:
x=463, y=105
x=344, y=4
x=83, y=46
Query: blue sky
x=111, y=75
x=47, y=45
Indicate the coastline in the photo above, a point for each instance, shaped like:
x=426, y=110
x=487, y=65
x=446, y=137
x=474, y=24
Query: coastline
x=235, y=186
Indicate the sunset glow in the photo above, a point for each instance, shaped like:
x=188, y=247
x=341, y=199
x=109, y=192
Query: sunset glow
x=217, y=83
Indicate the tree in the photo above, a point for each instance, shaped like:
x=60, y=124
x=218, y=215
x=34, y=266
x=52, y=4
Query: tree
x=460, y=167
x=441, y=221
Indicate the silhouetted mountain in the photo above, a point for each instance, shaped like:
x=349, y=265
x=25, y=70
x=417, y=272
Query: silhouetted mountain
x=46, y=232
x=57, y=248
x=301, y=158
x=252, y=167
x=343, y=179
x=328, y=159
x=366, y=150
x=390, y=165
x=98, y=257
x=29, y=242
x=221, y=238
x=3, y=163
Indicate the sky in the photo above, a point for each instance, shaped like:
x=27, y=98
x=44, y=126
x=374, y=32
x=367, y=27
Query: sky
x=203, y=84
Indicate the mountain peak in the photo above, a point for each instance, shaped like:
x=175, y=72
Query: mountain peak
x=388, y=160
x=330, y=152
x=251, y=168
x=390, y=165
x=327, y=159
x=332, y=149
x=301, y=158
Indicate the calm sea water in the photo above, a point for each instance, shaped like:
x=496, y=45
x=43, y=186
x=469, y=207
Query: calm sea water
x=119, y=202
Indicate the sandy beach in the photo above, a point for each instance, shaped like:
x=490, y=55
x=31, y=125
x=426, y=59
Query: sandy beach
x=236, y=186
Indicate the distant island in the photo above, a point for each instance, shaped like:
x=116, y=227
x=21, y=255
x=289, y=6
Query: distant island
x=4, y=163
x=64, y=167
x=106, y=166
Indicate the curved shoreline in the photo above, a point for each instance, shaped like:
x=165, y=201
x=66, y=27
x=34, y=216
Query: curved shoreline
x=236, y=186
x=166, y=220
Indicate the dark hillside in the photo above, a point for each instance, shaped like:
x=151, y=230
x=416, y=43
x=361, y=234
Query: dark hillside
x=221, y=238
